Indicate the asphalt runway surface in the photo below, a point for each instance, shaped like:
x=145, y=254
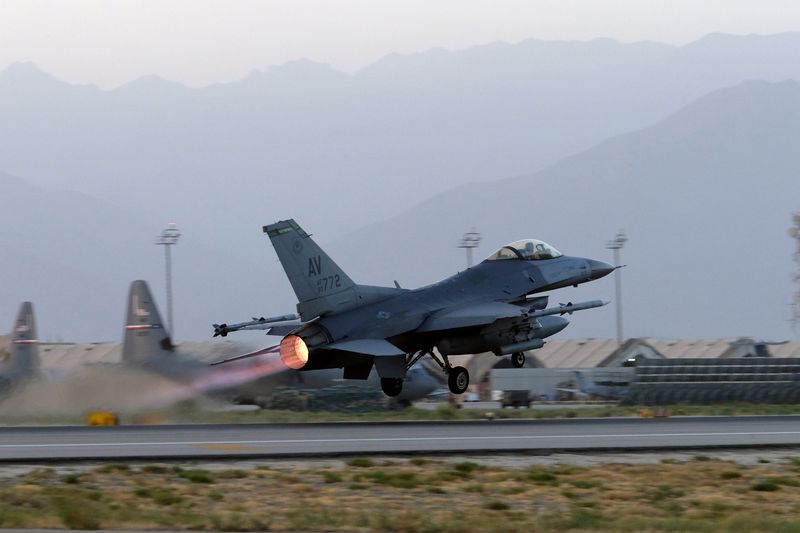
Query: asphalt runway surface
x=296, y=440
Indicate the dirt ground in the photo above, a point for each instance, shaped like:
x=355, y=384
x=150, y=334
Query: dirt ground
x=742, y=490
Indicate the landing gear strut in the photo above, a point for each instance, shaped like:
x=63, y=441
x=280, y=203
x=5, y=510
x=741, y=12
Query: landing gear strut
x=392, y=386
x=518, y=359
x=457, y=376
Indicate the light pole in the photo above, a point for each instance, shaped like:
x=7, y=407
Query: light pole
x=616, y=245
x=470, y=240
x=169, y=236
x=794, y=233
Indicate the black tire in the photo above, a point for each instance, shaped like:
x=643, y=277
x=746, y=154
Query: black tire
x=518, y=359
x=391, y=386
x=458, y=379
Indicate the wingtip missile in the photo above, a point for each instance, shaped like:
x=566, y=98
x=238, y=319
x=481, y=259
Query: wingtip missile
x=569, y=308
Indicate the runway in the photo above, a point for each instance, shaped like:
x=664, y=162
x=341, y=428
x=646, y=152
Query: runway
x=296, y=440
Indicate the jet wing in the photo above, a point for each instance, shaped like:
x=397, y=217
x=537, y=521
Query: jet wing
x=473, y=315
x=376, y=347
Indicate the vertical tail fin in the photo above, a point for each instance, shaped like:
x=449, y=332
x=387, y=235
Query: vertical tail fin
x=145, y=336
x=23, y=360
x=320, y=285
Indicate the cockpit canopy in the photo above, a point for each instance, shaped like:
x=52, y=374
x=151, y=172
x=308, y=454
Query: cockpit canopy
x=527, y=250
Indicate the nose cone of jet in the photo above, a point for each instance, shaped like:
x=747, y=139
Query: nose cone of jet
x=598, y=269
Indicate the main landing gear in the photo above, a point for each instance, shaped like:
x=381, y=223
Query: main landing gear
x=457, y=376
x=518, y=359
x=458, y=380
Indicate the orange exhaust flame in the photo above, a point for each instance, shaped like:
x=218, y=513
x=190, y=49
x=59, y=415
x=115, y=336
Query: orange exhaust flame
x=294, y=352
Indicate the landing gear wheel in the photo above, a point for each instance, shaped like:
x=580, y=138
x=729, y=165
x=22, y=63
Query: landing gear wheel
x=518, y=359
x=392, y=386
x=458, y=379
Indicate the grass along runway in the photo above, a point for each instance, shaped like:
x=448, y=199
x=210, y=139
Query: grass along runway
x=193, y=413
x=678, y=492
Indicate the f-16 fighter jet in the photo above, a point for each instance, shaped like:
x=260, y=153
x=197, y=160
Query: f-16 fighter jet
x=489, y=307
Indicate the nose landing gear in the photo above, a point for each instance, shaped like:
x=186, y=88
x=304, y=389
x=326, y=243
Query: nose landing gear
x=518, y=359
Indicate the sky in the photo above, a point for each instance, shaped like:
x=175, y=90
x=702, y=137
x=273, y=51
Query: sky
x=199, y=42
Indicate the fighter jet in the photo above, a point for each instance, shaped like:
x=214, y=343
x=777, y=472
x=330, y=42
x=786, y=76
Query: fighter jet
x=489, y=307
x=21, y=362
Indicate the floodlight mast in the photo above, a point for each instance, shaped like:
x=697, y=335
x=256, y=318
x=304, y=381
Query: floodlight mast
x=169, y=237
x=616, y=244
x=794, y=233
x=470, y=240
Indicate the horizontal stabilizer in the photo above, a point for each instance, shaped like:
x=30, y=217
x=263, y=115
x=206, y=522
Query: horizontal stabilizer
x=376, y=347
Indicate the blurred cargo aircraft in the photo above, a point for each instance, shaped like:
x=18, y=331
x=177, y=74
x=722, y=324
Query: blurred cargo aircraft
x=606, y=389
x=20, y=363
x=488, y=307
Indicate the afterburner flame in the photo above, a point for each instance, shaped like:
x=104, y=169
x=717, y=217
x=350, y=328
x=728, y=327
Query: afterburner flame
x=294, y=352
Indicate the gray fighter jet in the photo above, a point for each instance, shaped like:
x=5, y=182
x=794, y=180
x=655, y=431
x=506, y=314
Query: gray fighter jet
x=489, y=307
x=21, y=362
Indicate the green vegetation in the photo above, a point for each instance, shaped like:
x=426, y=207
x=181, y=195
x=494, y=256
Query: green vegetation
x=197, y=476
x=115, y=467
x=497, y=505
x=72, y=479
x=766, y=485
x=467, y=467
x=361, y=462
x=160, y=495
x=585, y=483
x=397, y=479
x=331, y=477
x=540, y=476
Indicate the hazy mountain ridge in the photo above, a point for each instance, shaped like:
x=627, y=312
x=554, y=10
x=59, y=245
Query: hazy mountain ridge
x=428, y=121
